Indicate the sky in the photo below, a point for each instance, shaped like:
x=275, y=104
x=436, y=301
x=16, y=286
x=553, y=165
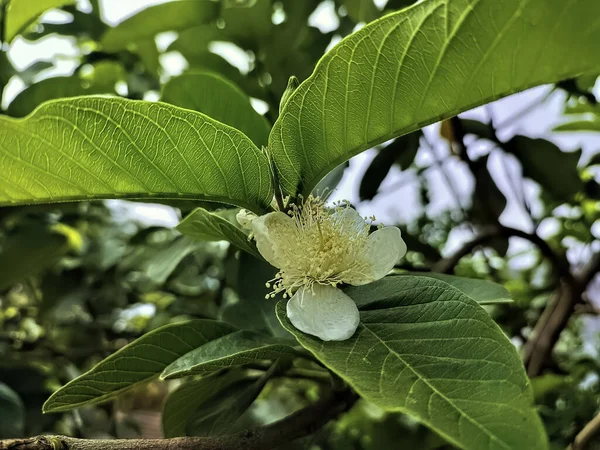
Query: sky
x=393, y=205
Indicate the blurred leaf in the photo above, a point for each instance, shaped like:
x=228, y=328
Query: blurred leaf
x=28, y=251
x=30, y=72
x=414, y=244
x=580, y=125
x=22, y=13
x=479, y=129
x=544, y=162
x=109, y=155
x=158, y=264
x=547, y=384
x=149, y=22
x=253, y=311
x=401, y=151
x=210, y=94
x=361, y=10
x=137, y=362
x=235, y=349
x=204, y=225
x=388, y=79
x=220, y=414
x=442, y=375
x=210, y=405
x=248, y=27
x=101, y=81
x=482, y=291
x=82, y=25
x=12, y=413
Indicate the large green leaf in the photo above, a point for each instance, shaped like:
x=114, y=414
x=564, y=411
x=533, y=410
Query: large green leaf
x=21, y=13
x=482, y=291
x=241, y=347
x=171, y=16
x=204, y=225
x=426, y=349
x=220, y=99
x=93, y=147
x=138, y=362
x=422, y=64
x=12, y=413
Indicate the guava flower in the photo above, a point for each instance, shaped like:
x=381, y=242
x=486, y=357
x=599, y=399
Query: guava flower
x=316, y=248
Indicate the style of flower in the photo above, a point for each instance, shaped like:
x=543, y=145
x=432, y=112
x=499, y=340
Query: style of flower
x=316, y=248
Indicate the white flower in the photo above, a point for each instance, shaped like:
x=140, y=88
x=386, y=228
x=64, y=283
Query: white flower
x=316, y=248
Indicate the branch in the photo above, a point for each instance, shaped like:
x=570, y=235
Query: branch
x=302, y=423
x=585, y=436
x=489, y=233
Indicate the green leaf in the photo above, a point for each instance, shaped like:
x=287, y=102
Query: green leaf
x=172, y=16
x=12, y=413
x=210, y=405
x=580, y=125
x=92, y=147
x=482, y=291
x=28, y=251
x=252, y=310
x=204, y=225
x=220, y=99
x=235, y=349
x=425, y=349
x=22, y=13
x=420, y=65
x=106, y=74
x=138, y=362
x=544, y=162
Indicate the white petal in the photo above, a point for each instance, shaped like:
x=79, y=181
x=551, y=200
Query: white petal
x=328, y=314
x=384, y=249
x=350, y=221
x=271, y=231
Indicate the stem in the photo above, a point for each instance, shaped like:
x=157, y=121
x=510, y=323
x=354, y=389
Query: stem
x=302, y=423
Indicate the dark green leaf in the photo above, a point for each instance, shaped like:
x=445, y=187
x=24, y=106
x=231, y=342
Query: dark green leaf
x=482, y=291
x=544, y=162
x=235, y=349
x=12, y=413
x=426, y=349
x=361, y=10
x=138, y=362
x=220, y=99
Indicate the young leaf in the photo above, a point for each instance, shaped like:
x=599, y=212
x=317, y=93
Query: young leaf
x=482, y=291
x=241, y=347
x=94, y=147
x=22, y=13
x=204, y=225
x=138, y=362
x=172, y=16
x=220, y=99
x=426, y=349
x=420, y=65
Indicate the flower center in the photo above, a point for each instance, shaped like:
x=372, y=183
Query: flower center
x=324, y=247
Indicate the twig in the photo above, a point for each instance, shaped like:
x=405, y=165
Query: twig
x=302, y=423
x=585, y=436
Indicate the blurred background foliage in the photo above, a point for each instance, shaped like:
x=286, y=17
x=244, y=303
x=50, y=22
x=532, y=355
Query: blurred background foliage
x=79, y=281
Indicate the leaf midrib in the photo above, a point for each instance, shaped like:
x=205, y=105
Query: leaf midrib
x=425, y=380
